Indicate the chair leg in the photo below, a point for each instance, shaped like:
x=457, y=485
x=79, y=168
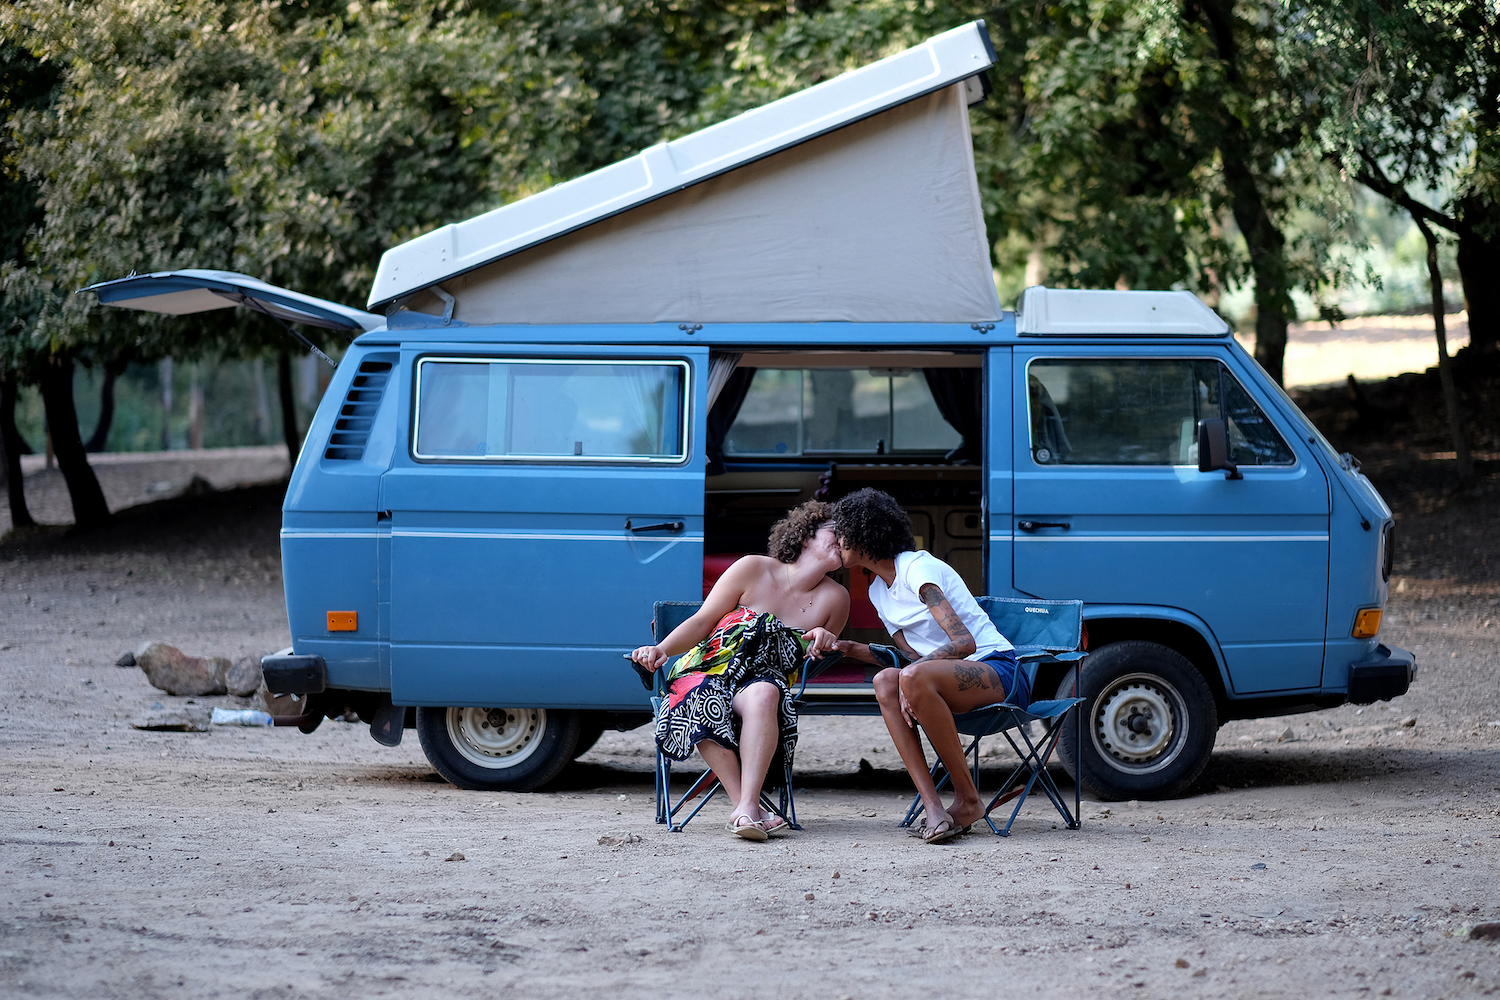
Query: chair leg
x=694, y=789
x=663, y=787
x=1033, y=760
x=788, y=810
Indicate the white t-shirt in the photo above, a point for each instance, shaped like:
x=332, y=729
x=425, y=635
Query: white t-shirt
x=901, y=609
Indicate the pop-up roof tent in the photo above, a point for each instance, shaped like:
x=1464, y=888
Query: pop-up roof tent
x=852, y=200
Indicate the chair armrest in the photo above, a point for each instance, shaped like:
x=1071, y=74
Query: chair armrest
x=812, y=668
x=889, y=656
x=651, y=680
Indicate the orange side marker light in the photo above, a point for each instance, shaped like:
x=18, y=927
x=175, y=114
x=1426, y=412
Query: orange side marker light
x=343, y=621
x=1366, y=623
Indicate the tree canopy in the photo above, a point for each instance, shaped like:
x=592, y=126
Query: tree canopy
x=1205, y=144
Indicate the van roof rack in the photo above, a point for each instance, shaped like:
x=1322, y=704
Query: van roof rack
x=1109, y=313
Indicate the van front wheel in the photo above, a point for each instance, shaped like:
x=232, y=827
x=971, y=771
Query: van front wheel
x=498, y=749
x=1149, y=723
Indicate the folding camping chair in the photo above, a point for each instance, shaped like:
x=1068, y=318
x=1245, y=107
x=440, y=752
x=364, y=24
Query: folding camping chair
x=1042, y=632
x=666, y=616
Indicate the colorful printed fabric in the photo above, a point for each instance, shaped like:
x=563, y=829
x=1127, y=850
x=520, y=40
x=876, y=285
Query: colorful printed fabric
x=744, y=648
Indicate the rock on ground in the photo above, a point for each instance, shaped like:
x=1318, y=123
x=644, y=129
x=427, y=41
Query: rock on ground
x=174, y=672
x=174, y=720
x=243, y=679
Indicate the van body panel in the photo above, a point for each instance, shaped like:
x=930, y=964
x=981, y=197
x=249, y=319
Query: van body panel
x=1148, y=612
x=1248, y=556
x=1356, y=579
x=521, y=580
x=999, y=494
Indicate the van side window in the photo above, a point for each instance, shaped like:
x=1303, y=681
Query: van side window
x=876, y=411
x=1142, y=411
x=535, y=410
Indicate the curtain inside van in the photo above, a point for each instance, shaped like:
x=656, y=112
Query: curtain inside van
x=879, y=221
x=722, y=412
x=958, y=393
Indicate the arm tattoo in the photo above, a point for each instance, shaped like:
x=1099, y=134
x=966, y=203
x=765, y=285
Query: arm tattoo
x=970, y=675
x=947, y=618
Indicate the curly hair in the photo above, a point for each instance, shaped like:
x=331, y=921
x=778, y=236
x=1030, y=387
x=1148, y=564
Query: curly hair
x=872, y=522
x=792, y=532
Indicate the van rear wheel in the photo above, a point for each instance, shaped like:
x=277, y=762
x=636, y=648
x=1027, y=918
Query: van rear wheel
x=498, y=749
x=1149, y=722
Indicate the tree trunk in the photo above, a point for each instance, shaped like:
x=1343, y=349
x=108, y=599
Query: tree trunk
x=1445, y=366
x=89, y=506
x=288, y=405
x=195, y=411
x=1478, y=264
x=10, y=452
x=1265, y=242
x=100, y=438
x=1267, y=263
x=164, y=374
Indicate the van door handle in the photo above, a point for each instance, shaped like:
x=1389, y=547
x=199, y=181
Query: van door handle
x=659, y=526
x=1034, y=525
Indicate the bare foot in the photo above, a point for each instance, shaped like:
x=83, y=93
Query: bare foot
x=966, y=813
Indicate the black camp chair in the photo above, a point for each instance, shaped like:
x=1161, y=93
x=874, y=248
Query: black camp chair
x=1042, y=632
x=666, y=616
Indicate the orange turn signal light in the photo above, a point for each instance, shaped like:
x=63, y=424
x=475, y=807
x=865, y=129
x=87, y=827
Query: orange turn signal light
x=1366, y=623
x=345, y=621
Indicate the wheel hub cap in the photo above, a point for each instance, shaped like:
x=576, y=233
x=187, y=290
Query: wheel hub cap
x=497, y=737
x=1136, y=722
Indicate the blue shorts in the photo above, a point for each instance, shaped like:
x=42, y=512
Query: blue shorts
x=1012, y=677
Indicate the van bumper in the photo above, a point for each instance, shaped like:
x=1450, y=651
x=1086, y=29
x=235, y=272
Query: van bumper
x=290, y=673
x=1385, y=674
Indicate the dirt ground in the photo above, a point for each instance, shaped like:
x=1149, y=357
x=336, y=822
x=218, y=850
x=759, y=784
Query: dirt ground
x=1348, y=860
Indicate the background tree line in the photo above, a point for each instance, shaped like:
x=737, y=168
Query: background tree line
x=1206, y=144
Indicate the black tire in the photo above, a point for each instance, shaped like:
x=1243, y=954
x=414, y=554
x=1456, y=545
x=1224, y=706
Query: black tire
x=1149, y=725
x=590, y=728
x=498, y=749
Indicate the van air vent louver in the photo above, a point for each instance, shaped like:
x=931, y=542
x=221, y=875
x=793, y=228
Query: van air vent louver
x=352, y=428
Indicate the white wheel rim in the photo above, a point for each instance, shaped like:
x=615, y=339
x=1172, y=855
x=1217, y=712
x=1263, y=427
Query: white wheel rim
x=497, y=738
x=1140, y=724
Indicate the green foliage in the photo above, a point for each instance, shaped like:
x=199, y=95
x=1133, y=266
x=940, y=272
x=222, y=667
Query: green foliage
x=1122, y=140
x=1411, y=93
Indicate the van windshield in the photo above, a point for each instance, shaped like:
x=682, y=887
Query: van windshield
x=1313, y=435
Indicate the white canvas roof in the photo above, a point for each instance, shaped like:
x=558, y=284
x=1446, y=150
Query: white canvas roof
x=853, y=200
x=1109, y=312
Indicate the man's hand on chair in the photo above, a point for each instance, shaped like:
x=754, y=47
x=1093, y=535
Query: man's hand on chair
x=855, y=650
x=650, y=657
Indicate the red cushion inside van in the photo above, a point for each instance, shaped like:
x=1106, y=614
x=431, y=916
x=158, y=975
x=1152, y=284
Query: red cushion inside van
x=714, y=566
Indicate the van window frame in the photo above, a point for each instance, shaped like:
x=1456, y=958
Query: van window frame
x=685, y=426
x=1225, y=369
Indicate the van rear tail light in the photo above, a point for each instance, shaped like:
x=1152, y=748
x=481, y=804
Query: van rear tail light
x=1366, y=623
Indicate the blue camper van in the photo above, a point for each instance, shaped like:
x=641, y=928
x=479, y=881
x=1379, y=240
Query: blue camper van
x=597, y=397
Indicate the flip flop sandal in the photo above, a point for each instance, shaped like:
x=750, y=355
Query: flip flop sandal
x=778, y=827
x=944, y=831
x=748, y=830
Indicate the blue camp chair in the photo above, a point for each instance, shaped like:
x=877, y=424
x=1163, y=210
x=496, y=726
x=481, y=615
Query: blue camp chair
x=1042, y=632
x=666, y=616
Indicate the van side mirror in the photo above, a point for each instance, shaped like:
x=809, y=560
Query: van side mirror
x=1213, y=448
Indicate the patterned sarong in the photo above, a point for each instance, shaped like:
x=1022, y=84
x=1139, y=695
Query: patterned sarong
x=744, y=648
